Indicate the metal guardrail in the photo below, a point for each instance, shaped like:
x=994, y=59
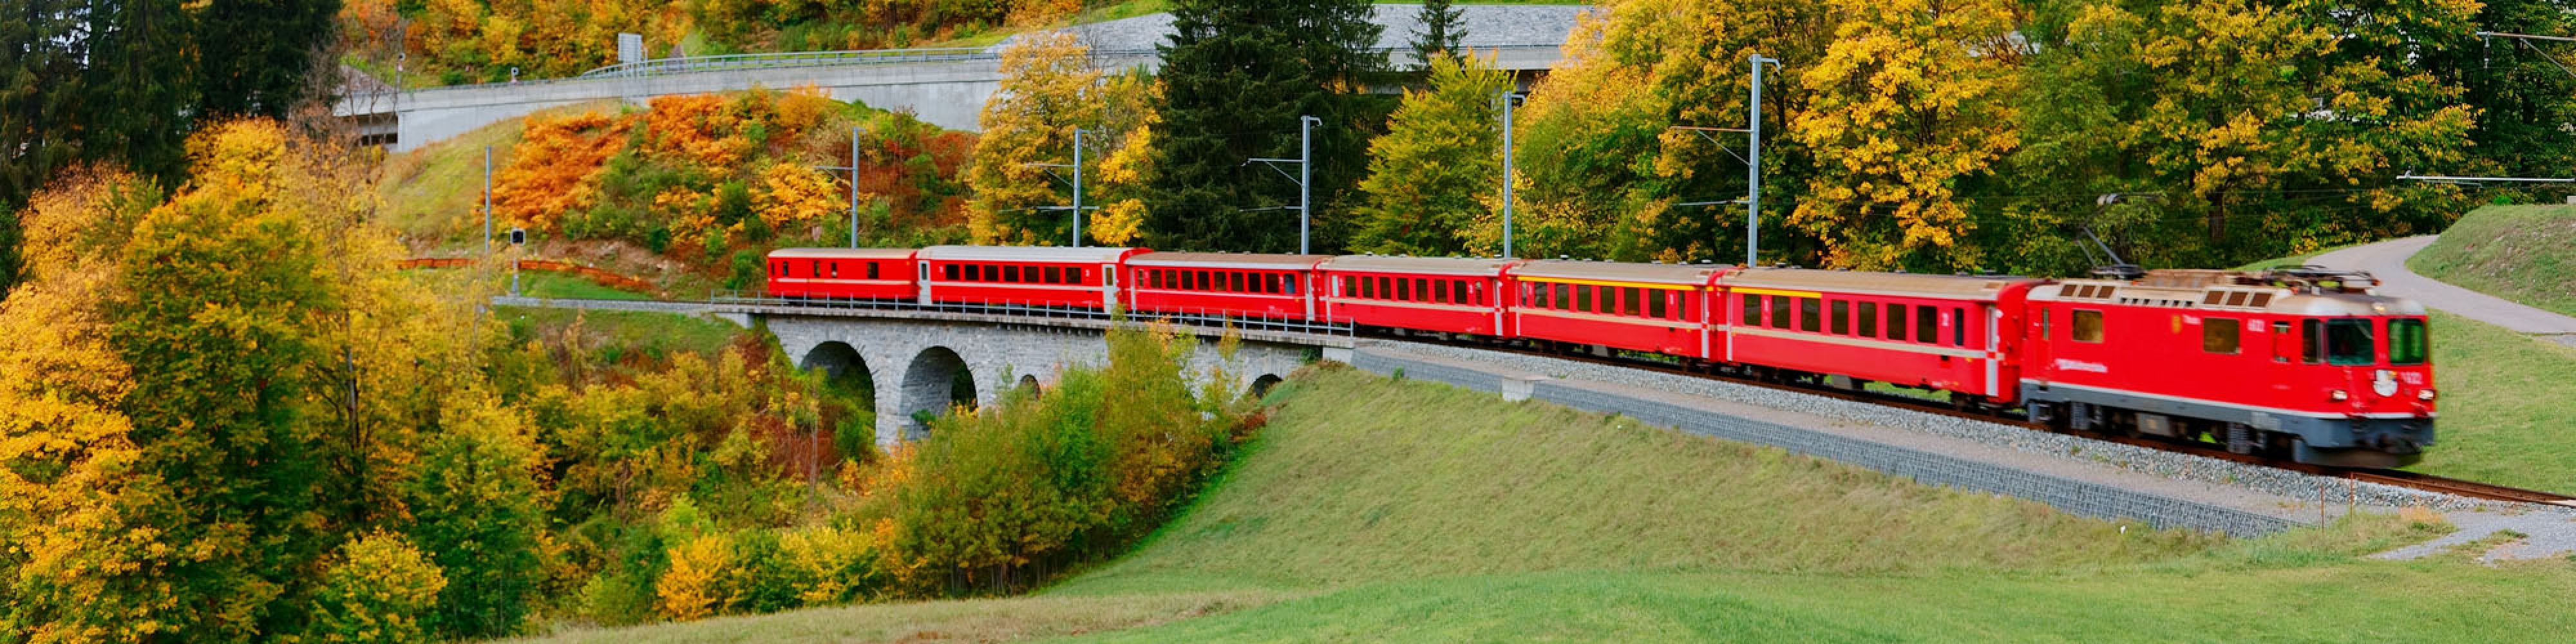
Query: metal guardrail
x=1201, y=318
x=692, y=64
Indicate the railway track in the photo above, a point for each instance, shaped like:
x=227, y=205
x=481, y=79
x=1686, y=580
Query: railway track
x=2399, y=478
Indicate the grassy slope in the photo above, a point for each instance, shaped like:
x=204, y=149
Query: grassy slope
x=2505, y=416
x=435, y=193
x=1408, y=512
x=2522, y=253
x=655, y=333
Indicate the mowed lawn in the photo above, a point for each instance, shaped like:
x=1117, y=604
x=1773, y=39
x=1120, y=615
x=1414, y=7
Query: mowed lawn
x=1383, y=510
x=2508, y=407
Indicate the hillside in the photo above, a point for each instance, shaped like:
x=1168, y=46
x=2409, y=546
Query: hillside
x=2522, y=253
x=1398, y=511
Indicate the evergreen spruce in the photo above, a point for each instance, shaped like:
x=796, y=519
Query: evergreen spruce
x=1237, y=74
x=256, y=54
x=39, y=88
x=1443, y=27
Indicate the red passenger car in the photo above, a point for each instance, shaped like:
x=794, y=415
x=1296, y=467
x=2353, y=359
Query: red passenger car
x=1952, y=333
x=1021, y=275
x=2300, y=363
x=1439, y=294
x=1231, y=284
x=842, y=273
x=1662, y=308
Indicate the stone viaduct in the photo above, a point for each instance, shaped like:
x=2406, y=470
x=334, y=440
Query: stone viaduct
x=917, y=361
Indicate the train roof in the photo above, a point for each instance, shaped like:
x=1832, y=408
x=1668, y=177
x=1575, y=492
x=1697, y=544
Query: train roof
x=1087, y=254
x=1478, y=266
x=1686, y=274
x=843, y=253
x=1271, y=261
x=1962, y=287
x=2225, y=296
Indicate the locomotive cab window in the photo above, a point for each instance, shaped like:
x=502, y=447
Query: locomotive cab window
x=2085, y=326
x=2406, y=342
x=2220, y=335
x=2348, y=343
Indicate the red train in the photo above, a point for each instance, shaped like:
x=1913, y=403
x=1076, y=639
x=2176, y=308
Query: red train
x=2298, y=363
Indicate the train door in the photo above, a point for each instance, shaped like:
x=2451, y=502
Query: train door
x=1108, y=286
x=925, y=281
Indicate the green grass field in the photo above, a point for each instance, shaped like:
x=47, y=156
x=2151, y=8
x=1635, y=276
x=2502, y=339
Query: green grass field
x=2522, y=253
x=2505, y=417
x=645, y=331
x=1377, y=510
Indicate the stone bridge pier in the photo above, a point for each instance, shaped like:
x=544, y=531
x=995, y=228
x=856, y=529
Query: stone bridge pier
x=926, y=366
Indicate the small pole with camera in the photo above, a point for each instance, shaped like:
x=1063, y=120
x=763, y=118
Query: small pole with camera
x=518, y=240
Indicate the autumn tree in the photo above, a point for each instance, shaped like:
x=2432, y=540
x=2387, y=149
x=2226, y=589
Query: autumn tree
x=1909, y=106
x=373, y=590
x=1602, y=170
x=2239, y=130
x=478, y=504
x=1049, y=89
x=1434, y=175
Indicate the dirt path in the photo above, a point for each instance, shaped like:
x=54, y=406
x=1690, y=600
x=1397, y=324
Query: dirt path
x=2387, y=260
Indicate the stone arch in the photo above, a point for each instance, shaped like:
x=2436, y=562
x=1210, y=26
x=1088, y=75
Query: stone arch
x=937, y=380
x=1030, y=383
x=842, y=365
x=1261, y=386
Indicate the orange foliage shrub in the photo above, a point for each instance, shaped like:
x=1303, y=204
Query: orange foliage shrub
x=555, y=167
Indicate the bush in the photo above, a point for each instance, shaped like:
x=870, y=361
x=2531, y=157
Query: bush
x=374, y=590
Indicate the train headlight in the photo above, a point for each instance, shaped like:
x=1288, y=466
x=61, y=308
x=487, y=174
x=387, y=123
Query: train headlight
x=2338, y=396
x=2425, y=395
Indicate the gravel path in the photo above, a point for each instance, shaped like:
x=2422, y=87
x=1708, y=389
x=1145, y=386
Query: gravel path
x=2387, y=261
x=2544, y=534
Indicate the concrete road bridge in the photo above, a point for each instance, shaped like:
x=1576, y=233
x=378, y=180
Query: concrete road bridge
x=945, y=87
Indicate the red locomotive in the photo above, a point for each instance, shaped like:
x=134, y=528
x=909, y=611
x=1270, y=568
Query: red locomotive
x=2298, y=363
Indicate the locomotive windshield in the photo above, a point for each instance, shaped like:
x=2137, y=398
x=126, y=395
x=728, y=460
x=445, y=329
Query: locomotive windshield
x=2406, y=342
x=2348, y=343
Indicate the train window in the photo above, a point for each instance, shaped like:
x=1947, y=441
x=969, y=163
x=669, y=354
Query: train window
x=1780, y=309
x=2406, y=342
x=974, y=272
x=2312, y=341
x=1927, y=324
x=836, y=269
x=1055, y=274
x=2220, y=335
x=1958, y=327
x=2085, y=326
x=1896, y=322
x=872, y=270
x=1842, y=317
x=2348, y=343
x=1868, y=319
x=1752, y=310
x=1421, y=290
x=948, y=272
x=1403, y=289
x=1011, y=273
x=2044, y=327
x=1288, y=284
x=2282, y=349
x=1811, y=315
x=1583, y=297
x=1386, y=287
x=1073, y=275
x=1564, y=296
x=1658, y=305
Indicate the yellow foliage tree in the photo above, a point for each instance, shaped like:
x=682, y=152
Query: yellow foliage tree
x=794, y=196
x=1909, y=100
x=1049, y=89
x=374, y=590
x=697, y=585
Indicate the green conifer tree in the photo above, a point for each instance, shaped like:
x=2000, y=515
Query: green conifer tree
x=256, y=54
x=1443, y=27
x=1237, y=74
